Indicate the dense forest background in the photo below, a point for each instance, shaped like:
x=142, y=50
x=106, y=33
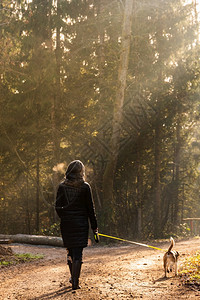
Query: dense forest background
x=112, y=83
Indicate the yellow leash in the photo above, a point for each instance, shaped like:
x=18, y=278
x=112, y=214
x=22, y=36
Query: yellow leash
x=144, y=245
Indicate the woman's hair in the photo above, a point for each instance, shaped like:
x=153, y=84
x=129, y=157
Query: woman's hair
x=75, y=171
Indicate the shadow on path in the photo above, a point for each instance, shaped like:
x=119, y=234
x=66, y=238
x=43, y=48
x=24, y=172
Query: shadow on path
x=53, y=295
x=161, y=279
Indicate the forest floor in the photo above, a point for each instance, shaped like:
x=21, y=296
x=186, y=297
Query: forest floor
x=117, y=272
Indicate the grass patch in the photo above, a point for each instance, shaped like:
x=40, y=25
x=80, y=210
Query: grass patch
x=18, y=258
x=28, y=256
x=190, y=272
x=5, y=263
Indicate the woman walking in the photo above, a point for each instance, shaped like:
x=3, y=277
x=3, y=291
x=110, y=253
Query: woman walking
x=74, y=206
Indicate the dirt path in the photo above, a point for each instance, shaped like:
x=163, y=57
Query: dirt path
x=123, y=272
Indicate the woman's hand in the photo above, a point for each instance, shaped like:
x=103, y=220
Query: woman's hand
x=96, y=235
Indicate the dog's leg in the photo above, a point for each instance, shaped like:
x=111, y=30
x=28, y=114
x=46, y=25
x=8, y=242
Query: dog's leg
x=171, y=266
x=168, y=268
x=165, y=272
x=176, y=269
x=165, y=267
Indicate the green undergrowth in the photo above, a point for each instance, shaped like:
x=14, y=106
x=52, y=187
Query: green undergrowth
x=28, y=256
x=18, y=258
x=190, y=272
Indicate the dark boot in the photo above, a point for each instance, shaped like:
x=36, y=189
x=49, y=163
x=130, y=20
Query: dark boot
x=70, y=269
x=76, y=270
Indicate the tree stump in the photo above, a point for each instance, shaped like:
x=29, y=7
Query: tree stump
x=5, y=251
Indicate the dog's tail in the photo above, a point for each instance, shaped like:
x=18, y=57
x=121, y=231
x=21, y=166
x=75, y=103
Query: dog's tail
x=171, y=245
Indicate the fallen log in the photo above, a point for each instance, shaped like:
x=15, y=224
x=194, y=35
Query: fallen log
x=5, y=241
x=33, y=239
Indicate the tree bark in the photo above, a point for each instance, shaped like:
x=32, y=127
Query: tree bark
x=55, y=107
x=157, y=187
x=38, y=192
x=56, y=156
x=37, y=220
x=101, y=53
x=108, y=178
x=139, y=184
x=28, y=219
x=177, y=173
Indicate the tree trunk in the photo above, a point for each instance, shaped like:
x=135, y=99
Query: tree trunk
x=177, y=173
x=5, y=251
x=28, y=220
x=108, y=178
x=138, y=192
x=56, y=156
x=55, y=107
x=38, y=189
x=196, y=21
x=157, y=188
x=101, y=54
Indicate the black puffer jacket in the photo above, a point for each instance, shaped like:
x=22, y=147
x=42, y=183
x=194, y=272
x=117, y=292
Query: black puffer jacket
x=74, y=205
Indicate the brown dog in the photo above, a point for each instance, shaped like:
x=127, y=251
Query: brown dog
x=170, y=259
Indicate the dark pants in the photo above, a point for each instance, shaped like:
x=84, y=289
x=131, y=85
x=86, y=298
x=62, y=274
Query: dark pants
x=75, y=253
